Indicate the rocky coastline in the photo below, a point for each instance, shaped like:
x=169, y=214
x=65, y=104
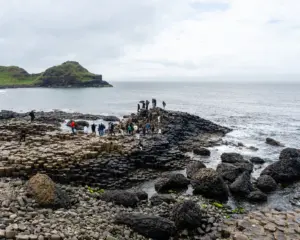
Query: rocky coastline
x=61, y=186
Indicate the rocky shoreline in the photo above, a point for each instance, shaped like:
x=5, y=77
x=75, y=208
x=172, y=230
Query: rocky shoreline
x=96, y=195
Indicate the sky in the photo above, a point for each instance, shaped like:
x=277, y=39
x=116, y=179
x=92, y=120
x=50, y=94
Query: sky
x=163, y=39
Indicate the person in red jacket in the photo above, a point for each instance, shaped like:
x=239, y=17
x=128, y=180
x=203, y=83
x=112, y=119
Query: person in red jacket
x=72, y=125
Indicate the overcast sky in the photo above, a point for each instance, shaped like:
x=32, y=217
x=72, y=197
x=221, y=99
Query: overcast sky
x=153, y=38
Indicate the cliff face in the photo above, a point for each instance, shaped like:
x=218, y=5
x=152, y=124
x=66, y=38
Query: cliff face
x=68, y=74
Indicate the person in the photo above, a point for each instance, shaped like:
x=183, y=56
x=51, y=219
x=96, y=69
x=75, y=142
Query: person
x=140, y=145
x=154, y=103
x=22, y=135
x=132, y=128
x=121, y=132
x=72, y=125
x=32, y=116
x=93, y=128
x=112, y=127
x=138, y=107
x=101, y=129
x=85, y=130
x=152, y=128
x=138, y=134
x=148, y=127
x=144, y=105
x=164, y=104
x=144, y=130
x=129, y=129
x=147, y=104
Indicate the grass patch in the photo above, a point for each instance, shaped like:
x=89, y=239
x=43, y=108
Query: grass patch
x=218, y=205
x=94, y=190
x=238, y=210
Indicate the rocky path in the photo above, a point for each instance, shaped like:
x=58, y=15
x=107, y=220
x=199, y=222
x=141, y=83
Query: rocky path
x=22, y=218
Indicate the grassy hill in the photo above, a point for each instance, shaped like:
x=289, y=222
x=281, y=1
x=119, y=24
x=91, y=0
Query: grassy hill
x=16, y=76
x=68, y=74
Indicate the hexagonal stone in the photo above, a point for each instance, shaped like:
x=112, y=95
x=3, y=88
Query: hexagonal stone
x=278, y=235
x=270, y=227
x=240, y=236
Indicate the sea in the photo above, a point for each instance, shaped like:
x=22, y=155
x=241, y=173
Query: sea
x=254, y=111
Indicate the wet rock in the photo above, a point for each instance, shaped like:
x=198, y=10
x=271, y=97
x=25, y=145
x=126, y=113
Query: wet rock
x=193, y=168
x=46, y=193
x=273, y=142
x=187, y=215
x=142, y=195
x=242, y=185
x=120, y=197
x=175, y=181
x=257, y=160
x=201, y=151
x=287, y=169
x=266, y=183
x=81, y=124
x=252, y=148
x=240, y=236
x=295, y=199
x=209, y=183
x=257, y=196
x=229, y=171
x=158, y=199
x=232, y=158
x=149, y=226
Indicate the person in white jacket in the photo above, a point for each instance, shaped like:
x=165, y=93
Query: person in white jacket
x=85, y=130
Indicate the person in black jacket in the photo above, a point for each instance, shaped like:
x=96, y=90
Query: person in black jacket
x=32, y=116
x=93, y=128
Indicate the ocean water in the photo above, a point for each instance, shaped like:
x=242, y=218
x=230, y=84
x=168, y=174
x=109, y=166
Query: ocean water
x=254, y=111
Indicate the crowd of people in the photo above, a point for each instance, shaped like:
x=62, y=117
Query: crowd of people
x=125, y=127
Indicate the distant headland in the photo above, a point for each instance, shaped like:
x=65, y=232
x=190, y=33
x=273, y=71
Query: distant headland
x=70, y=74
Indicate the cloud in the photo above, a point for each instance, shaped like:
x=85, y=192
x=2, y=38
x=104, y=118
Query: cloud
x=153, y=38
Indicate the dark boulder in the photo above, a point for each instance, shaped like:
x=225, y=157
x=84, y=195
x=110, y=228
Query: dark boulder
x=120, y=197
x=82, y=123
x=209, y=183
x=273, y=142
x=287, y=169
x=228, y=171
x=232, y=158
x=257, y=160
x=201, y=151
x=158, y=228
x=158, y=199
x=142, y=195
x=246, y=166
x=185, y=148
x=257, y=196
x=174, y=181
x=242, y=185
x=193, y=168
x=266, y=183
x=110, y=118
x=187, y=215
